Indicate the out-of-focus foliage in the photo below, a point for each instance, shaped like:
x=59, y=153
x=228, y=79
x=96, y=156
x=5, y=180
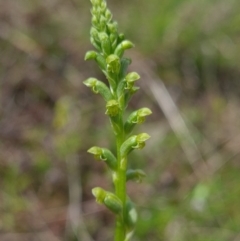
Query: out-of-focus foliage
x=46, y=114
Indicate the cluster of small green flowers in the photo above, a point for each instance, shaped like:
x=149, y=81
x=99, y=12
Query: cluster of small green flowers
x=110, y=47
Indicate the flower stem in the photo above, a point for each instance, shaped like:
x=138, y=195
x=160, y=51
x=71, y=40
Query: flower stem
x=120, y=184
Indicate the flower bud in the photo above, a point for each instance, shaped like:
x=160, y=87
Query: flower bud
x=113, y=64
x=94, y=20
x=131, y=216
x=98, y=87
x=99, y=194
x=121, y=37
x=103, y=5
x=108, y=15
x=121, y=95
x=130, y=93
x=105, y=43
x=90, y=55
x=133, y=90
x=112, y=108
x=94, y=34
x=133, y=142
x=113, y=39
x=140, y=140
x=125, y=44
x=110, y=200
x=135, y=175
x=95, y=44
x=136, y=117
x=113, y=203
x=103, y=22
x=104, y=155
x=112, y=28
x=96, y=151
x=96, y=2
x=125, y=62
x=93, y=11
x=130, y=80
x=101, y=62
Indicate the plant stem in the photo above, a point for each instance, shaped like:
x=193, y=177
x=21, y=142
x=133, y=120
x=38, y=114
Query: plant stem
x=120, y=185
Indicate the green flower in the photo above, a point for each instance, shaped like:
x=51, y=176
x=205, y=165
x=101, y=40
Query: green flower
x=112, y=107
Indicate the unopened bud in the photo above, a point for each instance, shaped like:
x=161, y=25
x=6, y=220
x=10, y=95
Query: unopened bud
x=90, y=55
x=125, y=44
x=105, y=43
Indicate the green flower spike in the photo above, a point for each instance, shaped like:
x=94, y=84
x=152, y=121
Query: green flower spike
x=110, y=47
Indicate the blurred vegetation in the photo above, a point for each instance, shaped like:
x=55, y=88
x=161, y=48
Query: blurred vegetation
x=48, y=119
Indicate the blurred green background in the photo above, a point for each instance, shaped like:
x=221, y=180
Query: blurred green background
x=188, y=53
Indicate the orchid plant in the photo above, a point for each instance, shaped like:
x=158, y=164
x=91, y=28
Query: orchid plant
x=110, y=46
